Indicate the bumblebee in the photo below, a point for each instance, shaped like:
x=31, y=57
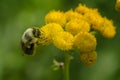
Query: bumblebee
x=29, y=40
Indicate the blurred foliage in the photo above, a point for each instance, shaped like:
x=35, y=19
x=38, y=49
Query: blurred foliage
x=18, y=15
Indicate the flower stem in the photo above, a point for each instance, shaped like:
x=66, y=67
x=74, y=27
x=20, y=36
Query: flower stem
x=66, y=66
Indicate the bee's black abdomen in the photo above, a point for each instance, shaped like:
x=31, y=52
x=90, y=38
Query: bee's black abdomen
x=28, y=50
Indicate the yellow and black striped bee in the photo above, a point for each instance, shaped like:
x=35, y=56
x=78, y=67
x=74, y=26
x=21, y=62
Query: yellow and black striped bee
x=29, y=40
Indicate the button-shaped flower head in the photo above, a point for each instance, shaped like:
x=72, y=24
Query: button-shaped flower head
x=48, y=32
x=63, y=41
x=107, y=29
x=56, y=17
x=85, y=41
x=88, y=58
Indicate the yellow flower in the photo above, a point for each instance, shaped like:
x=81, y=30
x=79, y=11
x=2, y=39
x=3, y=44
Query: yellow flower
x=70, y=15
x=48, y=31
x=88, y=58
x=56, y=17
x=63, y=41
x=117, y=6
x=82, y=9
x=108, y=29
x=103, y=25
x=85, y=41
x=77, y=25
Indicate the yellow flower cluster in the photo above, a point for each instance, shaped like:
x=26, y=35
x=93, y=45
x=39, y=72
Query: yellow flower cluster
x=97, y=22
x=74, y=28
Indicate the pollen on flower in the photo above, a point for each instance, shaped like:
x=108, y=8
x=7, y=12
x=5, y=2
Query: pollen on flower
x=63, y=41
x=88, y=58
x=56, y=17
x=77, y=25
x=108, y=29
x=48, y=31
x=85, y=41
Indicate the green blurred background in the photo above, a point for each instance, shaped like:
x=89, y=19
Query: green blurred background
x=18, y=15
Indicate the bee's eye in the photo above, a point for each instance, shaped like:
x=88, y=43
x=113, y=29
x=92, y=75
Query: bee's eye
x=36, y=32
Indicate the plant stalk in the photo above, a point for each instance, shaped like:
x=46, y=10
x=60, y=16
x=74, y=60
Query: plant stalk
x=66, y=66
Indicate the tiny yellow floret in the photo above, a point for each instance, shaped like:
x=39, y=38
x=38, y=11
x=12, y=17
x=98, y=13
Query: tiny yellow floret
x=63, y=41
x=85, y=41
x=56, y=17
x=88, y=58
